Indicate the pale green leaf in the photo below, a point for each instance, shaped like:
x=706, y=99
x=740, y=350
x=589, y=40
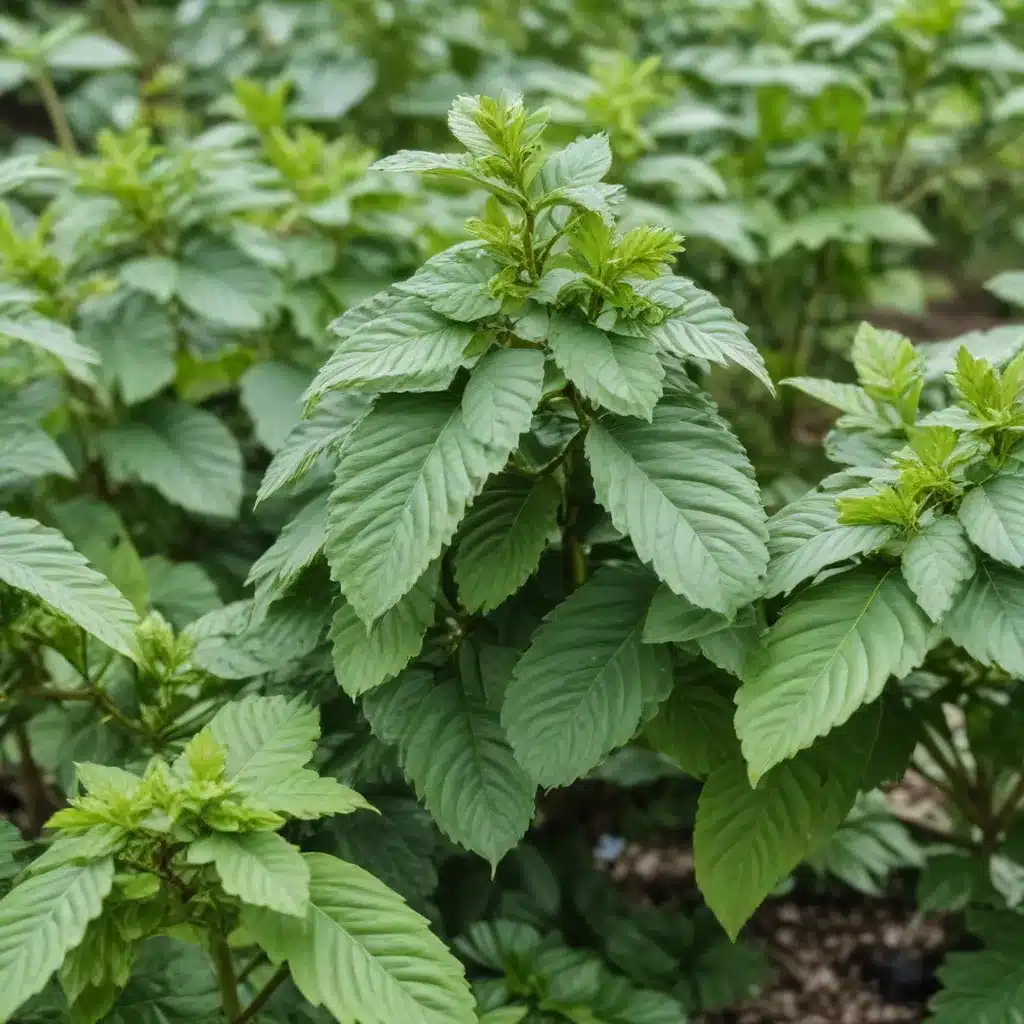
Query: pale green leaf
x=419, y=160
x=28, y=454
x=455, y=283
x=729, y=648
x=42, y=920
x=405, y=476
x=50, y=336
x=579, y=690
x=879, y=222
x=308, y=796
x=154, y=275
x=502, y=538
x=181, y=591
x=937, y=562
x=993, y=516
x=831, y=652
x=43, y=563
x=848, y=398
x=674, y=619
x=260, y=868
x=186, y=454
x=362, y=953
x=618, y=372
x=987, y=620
x=501, y=395
x=1008, y=286
x=682, y=489
x=366, y=657
x=583, y=162
x=217, y=282
x=89, y=51
x=271, y=394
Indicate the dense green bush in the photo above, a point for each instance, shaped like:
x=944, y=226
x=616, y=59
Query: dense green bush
x=529, y=512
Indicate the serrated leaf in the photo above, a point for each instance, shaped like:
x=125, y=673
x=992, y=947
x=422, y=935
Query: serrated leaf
x=267, y=739
x=364, y=658
x=579, y=690
x=307, y=796
x=260, y=868
x=502, y=393
x=705, y=329
x=408, y=348
x=186, y=454
x=937, y=562
x=674, y=619
x=271, y=393
x=42, y=562
x=831, y=652
x=322, y=431
x=993, y=516
x=419, y=160
x=618, y=372
x=987, y=620
x=362, y=953
x=455, y=283
x=41, y=920
x=502, y=538
x=405, y=476
x=682, y=489
x=454, y=751
x=217, y=282
x=583, y=162
x=848, y=398
x=806, y=537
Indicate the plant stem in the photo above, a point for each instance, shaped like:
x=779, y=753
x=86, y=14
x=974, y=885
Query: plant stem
x=221, y=953
x=531, y=257
x=36, y=800
x=263, y=996
x=55, y=111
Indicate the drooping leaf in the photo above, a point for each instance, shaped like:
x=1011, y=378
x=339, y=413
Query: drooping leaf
x=830, y=653
x=502, y=394
x=405, y=476
x=50, y=336
x=580, y=689
x=260, y=868
x=43, y=563
x=682, y=489
x=993, y=516
x=987, y=619
x=502, y=538
x=271, y=393
x=937, y=562
x=362, y=953
x=848, y=398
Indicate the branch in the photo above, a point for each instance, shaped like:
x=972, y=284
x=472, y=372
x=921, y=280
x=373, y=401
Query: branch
x=262, y=997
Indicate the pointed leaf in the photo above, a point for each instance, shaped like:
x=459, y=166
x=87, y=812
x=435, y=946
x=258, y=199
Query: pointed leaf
x=674, y=619
x=502, y=393
x=993, y=515
x=987, y=620
x=937, y=563
x=455, y=283
x=308, y=796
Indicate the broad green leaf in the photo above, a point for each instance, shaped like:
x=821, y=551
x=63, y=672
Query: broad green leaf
x=260, y=868
x=28, y=454
x=408, y=348
x=181, y=592
x=93, y=974
x=308, y=796
x=618, y=372
x=729, y=648
x=987, y=619
x=136, y=340
x=502, y=393
x=186, y=454
x=580, y=689
x=502, y=538
x=50, y=336
x=365, y=658
x=583, y=162
x=705, y=329
x=96, y=843
x=830, y=653
x=455, y=283
x=454, y=751
x=879, y=222
x=154, y=275
x=271, y=393
x=321, y=432
x=90, y=51
x=682, y=489
x=405, y=476
x=848, y=398
x=41, y=921
x=362, y=953
x=993, y=516
x=806, y=537
x=43, y=563
x=1008, y=286
x=937, y=562
x=299, y=542
x=267, y=739
x=674, y=619
x=217, y=282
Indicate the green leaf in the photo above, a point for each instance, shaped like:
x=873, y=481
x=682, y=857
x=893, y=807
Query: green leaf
x=41, y=921
x=682, y=489
x=1008, y=286
x=729, y=648
x=806, y=537
x=260, y=868
x=220, y=284
x=831, y=652
x=705, y=329
x=50, y=336
x=172, y=984
x=43, y=563
x=580, y=689
x=308, y=796
x=455, y=283
x=362, y=953
x=993, y=516
x=405, y=476
x=502, y=538
x=322, y=432
x=418, y=160
x=28, y=454
x=154, y=275
x=583, y=162
x=271, y=393
x=618, y=372
x=501, y=395
x=136, y=341
x=987, y=620
x=186, y=454
x=181, y=592
x=454, y=751
x=365, y=658
x=674, y=619
x=408, y=348
x=848, y=398
x=879, y=222
x=267, y=739
x=937, y=563
x=89, y=51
